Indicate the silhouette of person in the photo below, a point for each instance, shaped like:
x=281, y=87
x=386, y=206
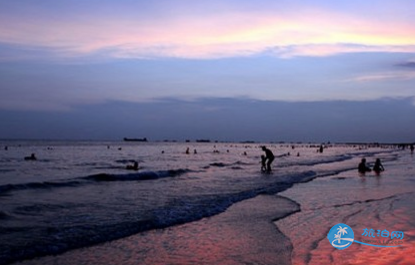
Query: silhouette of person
x=412, y=148
x=31, y=157
x=269, y=156
x=363, y=168
x=378, y=167
x=187, y=151
x=133, y=167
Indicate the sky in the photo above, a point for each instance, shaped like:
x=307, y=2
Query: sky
x=224, y=70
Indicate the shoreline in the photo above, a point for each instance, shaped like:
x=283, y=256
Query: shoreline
x=372, y=202
x=244, y=234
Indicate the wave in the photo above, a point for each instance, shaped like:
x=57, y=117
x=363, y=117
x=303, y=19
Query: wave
x=37, y=185
x=242, y=163
x=235, y=165
x=328, y=160
x=4, y=215
x=180, y=210
x=126, y=161
x=149, y=175
x=333, y=159
x=319, y=161
x=218, y=165
x=7, y=170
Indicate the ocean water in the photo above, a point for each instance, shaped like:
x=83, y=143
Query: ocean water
x=80, y=194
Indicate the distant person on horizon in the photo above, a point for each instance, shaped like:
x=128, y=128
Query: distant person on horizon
x=269, y=156
x=378, y=167
x=412, y=148
x=363, y=168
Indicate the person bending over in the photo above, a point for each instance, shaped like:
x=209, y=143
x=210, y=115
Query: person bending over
x=269, y=157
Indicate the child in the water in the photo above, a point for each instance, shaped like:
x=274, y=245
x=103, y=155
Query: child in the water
x=378, y=167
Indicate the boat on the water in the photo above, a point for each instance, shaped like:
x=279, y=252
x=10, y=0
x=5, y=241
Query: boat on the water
x=135, y=139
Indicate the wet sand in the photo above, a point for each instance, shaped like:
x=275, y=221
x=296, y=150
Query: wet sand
x=244, y=234
x=372, y=202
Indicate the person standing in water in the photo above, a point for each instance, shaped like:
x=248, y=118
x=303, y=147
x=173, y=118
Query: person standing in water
x=378, y=167
x=269, y=157
x=363, y=168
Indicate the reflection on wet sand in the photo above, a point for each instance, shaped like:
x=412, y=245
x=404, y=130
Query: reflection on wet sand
x=374, y=202
x=244, y=234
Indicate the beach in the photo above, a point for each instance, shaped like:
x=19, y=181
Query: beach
x=373, y=202
x=220, y=209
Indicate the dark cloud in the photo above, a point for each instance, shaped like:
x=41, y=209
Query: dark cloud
x=407, y=64
x=222, y=119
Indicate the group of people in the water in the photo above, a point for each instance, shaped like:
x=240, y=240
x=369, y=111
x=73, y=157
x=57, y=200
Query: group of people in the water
x=188, y=151
x=267, y=159
x=364, y=168
x=134, y=166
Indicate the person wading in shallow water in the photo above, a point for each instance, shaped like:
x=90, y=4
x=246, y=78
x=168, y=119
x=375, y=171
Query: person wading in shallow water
x=269, y=157
x=363, y=168
x=378, y=167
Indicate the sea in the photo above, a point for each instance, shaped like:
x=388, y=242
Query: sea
x=81, y=194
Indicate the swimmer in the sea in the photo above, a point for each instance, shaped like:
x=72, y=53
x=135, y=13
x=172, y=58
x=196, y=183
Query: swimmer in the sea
x=133, y=167
x=378, y=167
x=363, y=168
x=31, y=157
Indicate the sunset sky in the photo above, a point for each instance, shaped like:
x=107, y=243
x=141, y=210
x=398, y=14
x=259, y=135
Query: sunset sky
x=226, y=70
